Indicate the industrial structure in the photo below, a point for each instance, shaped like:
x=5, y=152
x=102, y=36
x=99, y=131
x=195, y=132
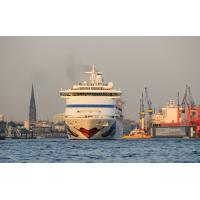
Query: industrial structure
x=146, y=114
x=173, y=120
x=145, y=123
x=177, y=119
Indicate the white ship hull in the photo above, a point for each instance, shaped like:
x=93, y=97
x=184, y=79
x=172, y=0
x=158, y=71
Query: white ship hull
x=93, y=109
x=94, y=129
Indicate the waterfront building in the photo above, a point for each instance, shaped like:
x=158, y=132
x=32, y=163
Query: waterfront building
x=26, y=125
x=43, y=126
x=2, y=117
x=32, y=107
x=58, y=118
x=59, y=127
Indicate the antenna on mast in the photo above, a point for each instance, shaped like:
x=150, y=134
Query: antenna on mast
x=178, y=99
x=95, y=76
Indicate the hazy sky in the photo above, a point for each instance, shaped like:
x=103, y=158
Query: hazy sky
x=163, y=64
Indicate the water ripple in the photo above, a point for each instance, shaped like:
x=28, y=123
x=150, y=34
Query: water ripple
x=114, y=151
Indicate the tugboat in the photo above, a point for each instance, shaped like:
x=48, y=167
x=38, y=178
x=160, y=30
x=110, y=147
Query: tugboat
x=137, y=134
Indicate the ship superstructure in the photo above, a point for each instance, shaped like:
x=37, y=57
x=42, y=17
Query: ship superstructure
x=168, y=114
x=94, y=109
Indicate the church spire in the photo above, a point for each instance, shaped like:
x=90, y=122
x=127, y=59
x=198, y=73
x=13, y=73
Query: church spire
x=32, y=107
x=32, y=94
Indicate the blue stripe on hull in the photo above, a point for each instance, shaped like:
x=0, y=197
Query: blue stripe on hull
x=89, y=106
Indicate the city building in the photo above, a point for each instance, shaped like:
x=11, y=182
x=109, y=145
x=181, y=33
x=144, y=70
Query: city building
x=59, y=127
x=43, y=126
x=26, y=125
x=58, y=118
x=2, y=117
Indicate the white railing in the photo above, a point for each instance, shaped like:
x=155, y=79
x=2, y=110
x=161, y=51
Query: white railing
x=90, y=116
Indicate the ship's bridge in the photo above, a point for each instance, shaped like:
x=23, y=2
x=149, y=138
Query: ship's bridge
x=86, y=86
x=95, y=87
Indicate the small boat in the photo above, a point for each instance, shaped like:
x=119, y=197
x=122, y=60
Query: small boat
x=137, y=134
x=186, y=138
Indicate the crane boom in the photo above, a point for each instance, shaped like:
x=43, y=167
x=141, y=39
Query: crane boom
x=142, y=113
x=142, y=104
x=190, y=98
x=185, y=98
x=149, y=103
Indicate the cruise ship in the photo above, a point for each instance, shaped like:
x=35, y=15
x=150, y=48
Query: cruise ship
x=93, y=109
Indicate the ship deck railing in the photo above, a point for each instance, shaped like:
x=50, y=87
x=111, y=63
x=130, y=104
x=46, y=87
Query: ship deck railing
x=91, y=116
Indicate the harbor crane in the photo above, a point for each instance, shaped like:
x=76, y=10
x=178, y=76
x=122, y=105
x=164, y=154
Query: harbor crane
x=142, y=113
x=185, y=103
x=192, y=103
x=188, y=102
x=149, y=108
x=149, y=103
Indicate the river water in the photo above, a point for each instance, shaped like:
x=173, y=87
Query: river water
x=102, y=151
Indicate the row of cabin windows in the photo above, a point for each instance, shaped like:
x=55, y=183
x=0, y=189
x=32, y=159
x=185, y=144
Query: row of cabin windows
x=90, y=88
x=89, y=94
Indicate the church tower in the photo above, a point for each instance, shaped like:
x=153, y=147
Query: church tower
x=32, y=108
